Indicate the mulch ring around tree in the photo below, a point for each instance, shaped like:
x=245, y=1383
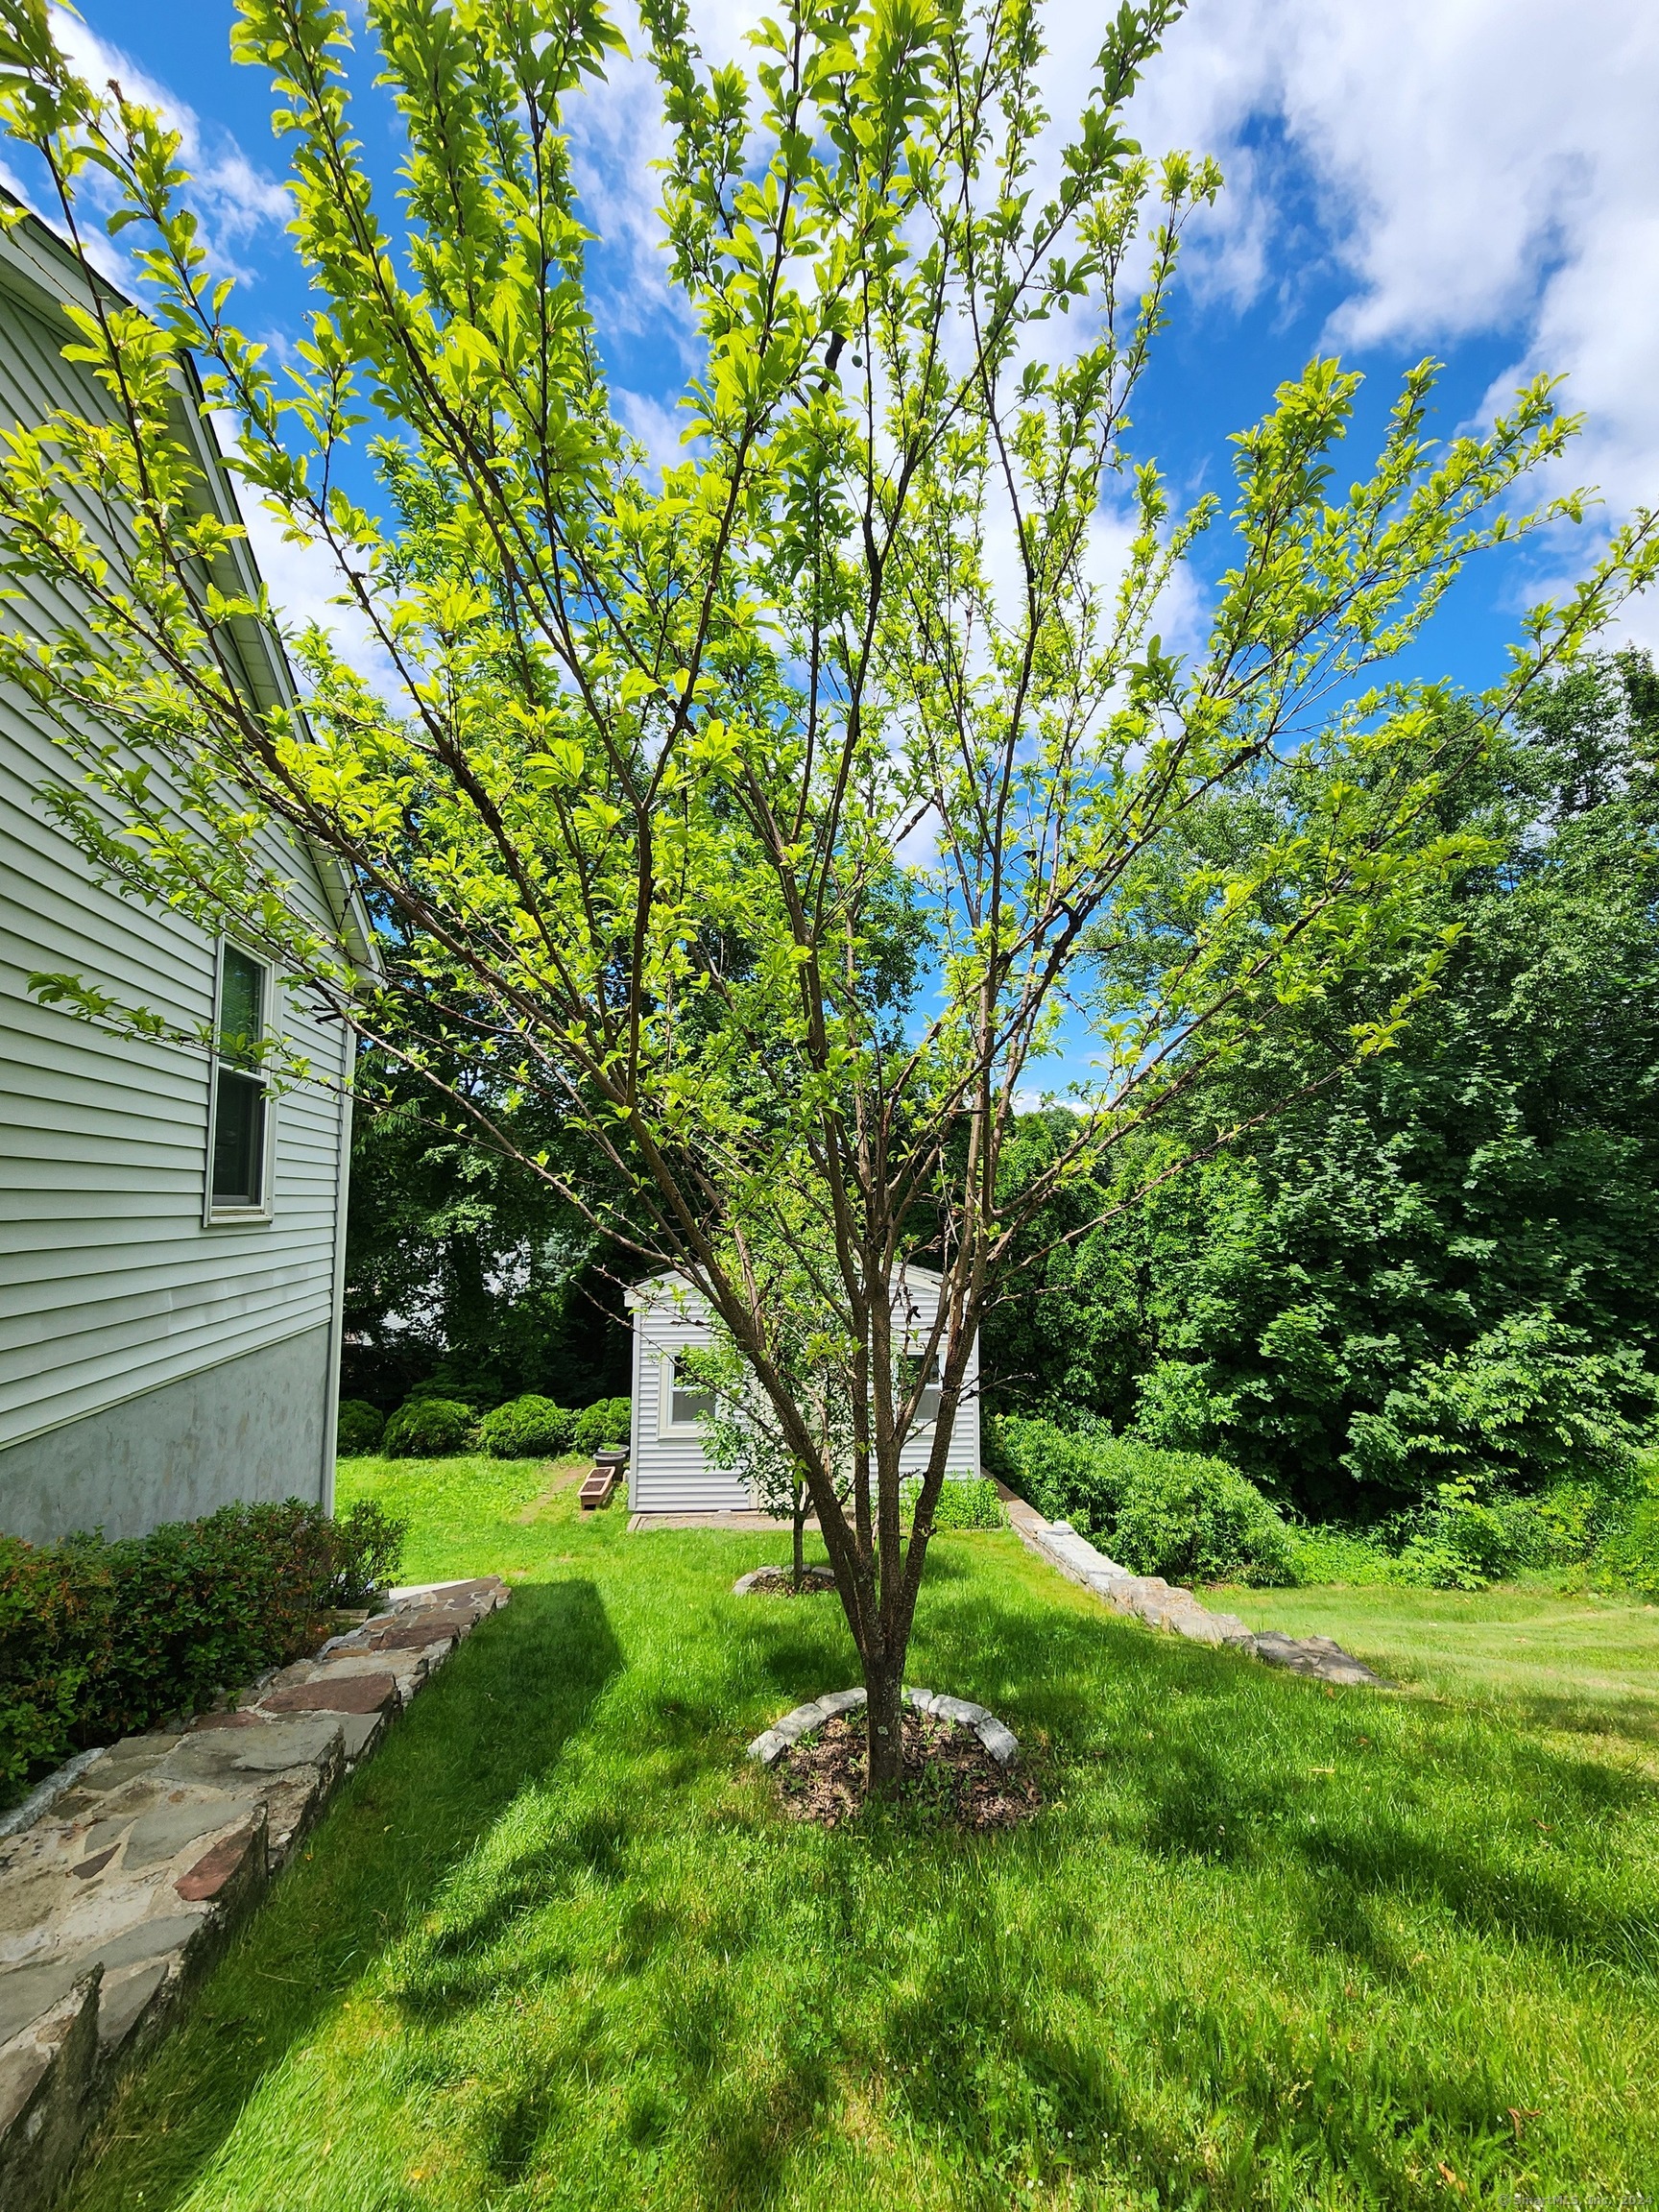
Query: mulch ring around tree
x=950, y=1779
x=780, y=1582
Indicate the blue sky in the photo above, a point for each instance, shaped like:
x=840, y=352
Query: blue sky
x=1475, y=178
x=1472, y=179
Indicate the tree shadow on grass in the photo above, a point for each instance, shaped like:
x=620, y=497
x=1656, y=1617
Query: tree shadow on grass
x=493, y=1722
x=1191, y=1784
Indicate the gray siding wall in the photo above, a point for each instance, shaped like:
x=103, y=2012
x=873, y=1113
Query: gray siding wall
x=669, y=1474
x=249, y=1428
x=110, y=1287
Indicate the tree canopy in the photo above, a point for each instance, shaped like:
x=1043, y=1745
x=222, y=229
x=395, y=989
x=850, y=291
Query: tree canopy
x=649, y=748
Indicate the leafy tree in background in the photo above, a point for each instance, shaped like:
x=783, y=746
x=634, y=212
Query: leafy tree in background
x=460, y=1261
x=646, y=750
x=1448, y=1262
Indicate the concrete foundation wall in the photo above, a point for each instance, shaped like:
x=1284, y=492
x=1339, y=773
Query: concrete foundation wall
x=252, y=1428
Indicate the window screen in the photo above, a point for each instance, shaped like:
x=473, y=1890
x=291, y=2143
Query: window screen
x=239, y=1091
x=928, y=1405
x=688, y=1403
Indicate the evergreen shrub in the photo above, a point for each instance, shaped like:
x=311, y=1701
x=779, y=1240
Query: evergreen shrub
x=528, y=1428
x=429, y=1429
x=605, y=1423
x=358, y=1426
x=99, y=1640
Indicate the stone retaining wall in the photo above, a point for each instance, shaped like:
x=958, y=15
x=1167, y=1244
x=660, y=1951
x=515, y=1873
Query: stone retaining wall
x=1161, y=1605
x=140, y=1859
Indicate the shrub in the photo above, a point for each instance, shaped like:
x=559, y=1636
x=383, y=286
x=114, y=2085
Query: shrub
x=101, y=1640
x=528, y=1428
x=428, y=1428
x=1630, y=1553
x=1193, y=1519
x=1174, y=1513
x=963, y=1503
x=605, y=1423
x=368, y=1547
x=1052, y=1462
x=358, y=1426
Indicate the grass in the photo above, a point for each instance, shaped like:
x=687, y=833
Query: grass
x=555, y=1946
x=1583, y=1661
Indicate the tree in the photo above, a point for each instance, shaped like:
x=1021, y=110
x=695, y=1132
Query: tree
x=647, y=751
x=459, y=1258
x=1392, y=1272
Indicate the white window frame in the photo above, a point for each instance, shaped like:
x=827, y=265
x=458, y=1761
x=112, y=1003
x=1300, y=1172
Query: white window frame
x=668, y=1428
x=215, y=1215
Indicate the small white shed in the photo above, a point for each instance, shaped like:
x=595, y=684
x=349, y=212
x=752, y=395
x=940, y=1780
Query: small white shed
x=667, y=1472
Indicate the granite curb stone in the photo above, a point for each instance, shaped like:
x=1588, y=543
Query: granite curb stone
x=122, y=1875
x=1160, y=1605
x=997, y=1737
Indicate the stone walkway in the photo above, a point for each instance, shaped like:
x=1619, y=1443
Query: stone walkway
x=1161, y=1605
x=139, y=1859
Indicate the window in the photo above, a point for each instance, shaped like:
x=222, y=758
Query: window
x=685, y=1402
x=928, y=1405
x=238, y=1173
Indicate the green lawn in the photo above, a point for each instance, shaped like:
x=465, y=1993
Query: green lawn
x=1267, y=1946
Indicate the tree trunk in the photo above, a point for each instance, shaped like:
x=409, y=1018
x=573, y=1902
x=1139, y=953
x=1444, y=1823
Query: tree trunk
x=801, y=1504
x=885, y=1716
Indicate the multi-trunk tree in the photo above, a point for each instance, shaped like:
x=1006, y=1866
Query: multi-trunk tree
x=646, y=750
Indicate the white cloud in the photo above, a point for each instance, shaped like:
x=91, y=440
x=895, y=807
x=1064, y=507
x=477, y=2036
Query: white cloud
x=1480, y=169
x=232, y=199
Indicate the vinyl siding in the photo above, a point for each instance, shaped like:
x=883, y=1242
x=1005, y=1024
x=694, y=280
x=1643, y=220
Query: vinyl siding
x=669, y=1474
x=110, y=1283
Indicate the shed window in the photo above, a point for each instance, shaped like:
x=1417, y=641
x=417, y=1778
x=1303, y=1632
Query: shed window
x=928, y=1405
x=239, y=1102
x=689, y=1403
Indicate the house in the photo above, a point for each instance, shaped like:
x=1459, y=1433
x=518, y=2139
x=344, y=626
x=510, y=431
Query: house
x=171, y=1230
x=667, y=1472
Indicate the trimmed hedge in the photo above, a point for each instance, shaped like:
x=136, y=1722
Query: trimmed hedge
x=429, y=1429
x=528, y=1428
x=99, y=1640
x=605, y=1423
x=358, y=1426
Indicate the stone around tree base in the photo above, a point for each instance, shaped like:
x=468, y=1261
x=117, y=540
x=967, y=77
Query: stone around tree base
x=115, y=1898
x=781, y=1580
x=997, y=1737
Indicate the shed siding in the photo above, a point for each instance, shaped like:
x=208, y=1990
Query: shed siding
x=110, y=1283
x=669, y=1474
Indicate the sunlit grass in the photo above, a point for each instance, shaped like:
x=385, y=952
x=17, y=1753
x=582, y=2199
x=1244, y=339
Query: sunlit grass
x=1266, y=1946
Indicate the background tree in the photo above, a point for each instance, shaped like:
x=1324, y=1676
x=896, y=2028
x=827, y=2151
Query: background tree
x=632, y=724
x=1452, y=1251
x=462, y=1262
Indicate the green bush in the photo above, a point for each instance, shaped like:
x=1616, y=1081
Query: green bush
x=358, y=1426
x=1172, y=1513
x=1057, y=1463
x=963, y=1503
x=368, y=1547
x=428, y=1428
x=1628, y=1555
x=1196, y=1520
x=528, y=1428
x=100, y=1640
x=605, y=1423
